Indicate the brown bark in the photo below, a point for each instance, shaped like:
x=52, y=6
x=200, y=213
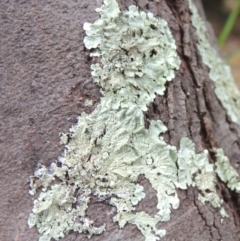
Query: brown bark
x=44, y=80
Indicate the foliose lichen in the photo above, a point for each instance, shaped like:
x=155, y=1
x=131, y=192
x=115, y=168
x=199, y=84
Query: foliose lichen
x=226, y=172
x=88, y=103
x=195, y=170
x=225, y=86
x=110, y=148
x=226, y=91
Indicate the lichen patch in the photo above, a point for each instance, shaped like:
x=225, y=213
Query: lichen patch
x=107, y=151
x=219, y=72
x=111, y=147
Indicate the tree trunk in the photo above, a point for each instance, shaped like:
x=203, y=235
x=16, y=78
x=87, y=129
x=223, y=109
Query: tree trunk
x=46, y=79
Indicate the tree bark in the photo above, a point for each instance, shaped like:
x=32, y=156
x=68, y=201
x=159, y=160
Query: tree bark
x=45, y=78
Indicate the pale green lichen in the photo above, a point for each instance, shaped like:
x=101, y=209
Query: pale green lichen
x=223, y=214
x=56, y=216
x=227, y=92
x=226, y=172
x=88, y=103
x=225, y=86
x=63, y=138
x=110, y=148
x=195, y=165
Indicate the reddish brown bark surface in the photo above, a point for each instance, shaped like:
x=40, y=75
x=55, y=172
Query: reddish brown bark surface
x=44, y=80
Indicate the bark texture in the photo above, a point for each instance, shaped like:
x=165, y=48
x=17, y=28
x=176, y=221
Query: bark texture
x=45, y=79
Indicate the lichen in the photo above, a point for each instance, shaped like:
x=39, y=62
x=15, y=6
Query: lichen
x=88, y=103
x=195, y=170
x=225, y=86
x=226, y=172
x=227, y=92
x=110, y=148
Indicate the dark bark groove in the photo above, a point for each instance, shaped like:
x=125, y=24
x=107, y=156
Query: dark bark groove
x=45, y=79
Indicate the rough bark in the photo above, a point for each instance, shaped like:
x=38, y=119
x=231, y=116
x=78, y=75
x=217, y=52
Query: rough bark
x=44, y=80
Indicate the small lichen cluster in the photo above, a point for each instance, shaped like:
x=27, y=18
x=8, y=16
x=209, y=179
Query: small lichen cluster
x=226, y=172
x=225, y=86
x=195, y=170
x=110, y=148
